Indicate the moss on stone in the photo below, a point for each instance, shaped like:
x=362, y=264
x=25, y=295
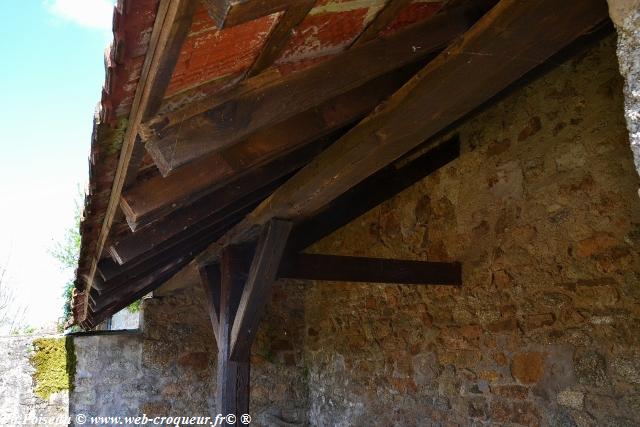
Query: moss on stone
x=55, y=364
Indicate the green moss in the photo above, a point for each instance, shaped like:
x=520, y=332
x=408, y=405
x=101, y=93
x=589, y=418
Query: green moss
x=135, y=306
x=55, y=365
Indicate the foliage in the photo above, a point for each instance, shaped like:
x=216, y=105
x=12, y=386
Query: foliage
x=67, y=252
x=135, y=306
x=26, y=330
x=55, y=364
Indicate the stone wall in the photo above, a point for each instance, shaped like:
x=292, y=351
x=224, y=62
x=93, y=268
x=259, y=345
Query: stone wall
x=625, y=14
x=18, y=397
x=169, y=367
x=541, y=208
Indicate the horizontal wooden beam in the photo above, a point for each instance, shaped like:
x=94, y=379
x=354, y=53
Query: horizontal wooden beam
x=254, y=104
x=501, y=48
x=369, y=270
x=153, y=198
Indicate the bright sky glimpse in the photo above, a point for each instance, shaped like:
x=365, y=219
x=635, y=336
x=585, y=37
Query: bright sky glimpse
x=51, y=77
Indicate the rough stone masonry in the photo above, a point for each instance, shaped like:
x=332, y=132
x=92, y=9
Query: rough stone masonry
x=541, y=208
x=625, y=14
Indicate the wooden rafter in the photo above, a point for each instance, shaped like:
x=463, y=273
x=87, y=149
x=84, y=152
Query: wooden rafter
x=280, y=35
x=170, y=28
x=382, y=20
x=503, y=46
x=227, y=203
x=379, y=187
x=151, y=199
x=228, y=13
x=210, y=125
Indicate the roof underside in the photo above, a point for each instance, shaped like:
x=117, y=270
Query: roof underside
x=248, y=100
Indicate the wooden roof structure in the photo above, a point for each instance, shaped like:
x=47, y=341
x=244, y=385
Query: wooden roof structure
x=233, y=134
x=220, y=119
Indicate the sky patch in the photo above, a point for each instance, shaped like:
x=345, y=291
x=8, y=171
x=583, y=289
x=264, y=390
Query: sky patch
x=92, y=14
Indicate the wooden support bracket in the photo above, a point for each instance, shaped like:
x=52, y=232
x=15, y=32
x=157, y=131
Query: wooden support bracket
x=370, y=270
x=257, y=289
x=233, y=375
x=210, y=281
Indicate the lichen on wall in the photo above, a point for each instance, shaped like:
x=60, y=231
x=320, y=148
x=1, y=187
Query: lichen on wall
x=54, y=362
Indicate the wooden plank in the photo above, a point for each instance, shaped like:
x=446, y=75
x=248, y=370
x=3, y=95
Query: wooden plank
x=280, y=35
x=157, y=196
x=370, y=270
x=379, y=187
x=502, y=47
x=228, y=13
x=170, y=19
x=233, y=375
x=225, y=204
x=137, y=289
x=382, y=20
x=257, y=289
x=210, y=281
x=251, y=107
x=129, y=291
x=178, y=24
x=114, y=274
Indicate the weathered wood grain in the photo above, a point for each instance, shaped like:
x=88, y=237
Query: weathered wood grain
x=511, y=40
x=254, y=105
x=257, y=288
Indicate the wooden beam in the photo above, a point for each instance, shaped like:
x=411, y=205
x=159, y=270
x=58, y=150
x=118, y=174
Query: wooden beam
x=229, y=202
x=155, y=197
x=139, y=286
x=115, y=275
x=280, y=35
x=379, y=187
x=178, y=23
x=369, y=270
x=228, y=13
x=511, y=40
x=254, y=105
x=233, y=375
x=136, y=290
x=257, y=289
x=382, y=20
x=171, y=25
x=210, y=281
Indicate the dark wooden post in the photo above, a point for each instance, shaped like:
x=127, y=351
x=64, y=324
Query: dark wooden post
x=237, y=292
x=233, y=375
